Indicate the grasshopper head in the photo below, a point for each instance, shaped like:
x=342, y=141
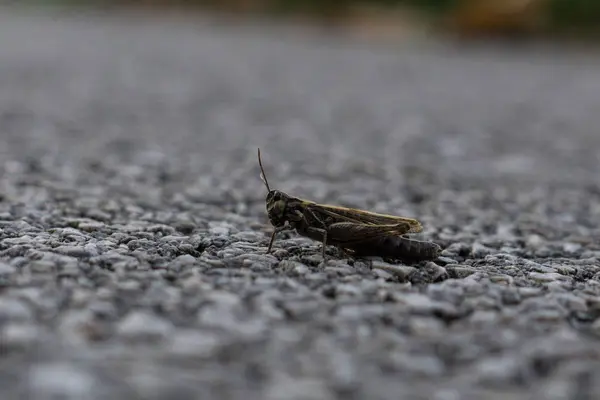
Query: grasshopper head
x=277, y=207
x=277, y=202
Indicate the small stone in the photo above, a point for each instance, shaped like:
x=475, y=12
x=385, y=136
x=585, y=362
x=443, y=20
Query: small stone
x=445, y=260
x=436, y=272
x=68, y=270
x=194, y=344
x=478, y=250
x=18, y=335
x=498, y=370
x=220, y=228
x=294, y=267
x=249, y=236
x=348, y=290
x=297, y=388
x=529, y=291
x=173, y=239
x=535, y=241
x=571, y=247
x=537, y=267
x=99, y=215
x=73, y=251
x=25, y=239
x=546, y=277
x=483, y=317
x=422, y=366
x=416, y=302
x=91, y=226
x=182, y=261
x=425, y=327
x=338, y=270
x=80, y=298
x=103, y=309
x=400, y=271
x=565, y=269
x=140, y=325
x=381, y=274
x=547, y=315
x=457, y=271
x=129, y=286
x=502, y=279
x=456, y=249
x=91, y=249
x=185, y=227
x=60, y=381
x=14, y=310
x=6, y=269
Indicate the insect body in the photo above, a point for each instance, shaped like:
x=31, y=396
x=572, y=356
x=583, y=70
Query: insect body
x=359, y=232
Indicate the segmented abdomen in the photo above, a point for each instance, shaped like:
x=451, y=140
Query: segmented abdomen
x=405, y=249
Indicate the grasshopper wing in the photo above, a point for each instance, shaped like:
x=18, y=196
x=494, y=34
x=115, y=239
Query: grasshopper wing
x=403, y=224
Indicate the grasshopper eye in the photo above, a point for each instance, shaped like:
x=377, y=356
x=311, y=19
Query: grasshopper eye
x=275, y=195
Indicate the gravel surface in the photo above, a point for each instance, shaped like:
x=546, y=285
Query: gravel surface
x=133, y=227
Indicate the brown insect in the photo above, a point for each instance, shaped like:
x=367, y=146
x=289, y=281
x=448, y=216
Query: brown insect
x=358, y=232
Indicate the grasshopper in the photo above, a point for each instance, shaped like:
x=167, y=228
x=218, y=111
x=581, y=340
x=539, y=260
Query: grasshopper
x=359, y=232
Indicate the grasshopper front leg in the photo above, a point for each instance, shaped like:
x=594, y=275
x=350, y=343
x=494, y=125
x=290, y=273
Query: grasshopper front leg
x=275, y=232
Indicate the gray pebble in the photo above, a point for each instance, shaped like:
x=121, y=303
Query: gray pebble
x=91, y=249
x=143, y=326
x=194, y=344
x=500, y=370
x=436, y=272
x=60, y=381
x=534, y=241
x=172, y=239
x=445, y=260
x=425, y=327
x=381, y=274
x=6, y=269
x=182, y=261
x=221, y=228
x=186, y=227
x=293, y=267
x=457, y=271
x=455, y=249
x=73, y=251
x=90, y=226
x=546, y=277
x=15, y=310
x=418, y=366
x=401, y=271
x=21, y=240
x=18, y=336
x=571, y=247
x=249, y=236
x=478, y=250
x=68, y=270
x=297, y=388
x=348, y=290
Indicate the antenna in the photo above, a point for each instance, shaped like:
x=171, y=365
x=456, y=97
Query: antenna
x=262, y=172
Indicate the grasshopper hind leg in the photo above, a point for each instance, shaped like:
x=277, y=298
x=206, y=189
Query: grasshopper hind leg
x=323, y=233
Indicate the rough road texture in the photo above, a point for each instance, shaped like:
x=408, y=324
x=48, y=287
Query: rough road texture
x=133, y=227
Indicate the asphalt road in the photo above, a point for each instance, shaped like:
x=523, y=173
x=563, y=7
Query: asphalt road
x=133, y=228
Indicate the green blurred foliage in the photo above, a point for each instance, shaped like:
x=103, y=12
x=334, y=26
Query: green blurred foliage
x=575, y=15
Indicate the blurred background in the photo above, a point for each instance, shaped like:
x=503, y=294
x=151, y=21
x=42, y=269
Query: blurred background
x=464, y=19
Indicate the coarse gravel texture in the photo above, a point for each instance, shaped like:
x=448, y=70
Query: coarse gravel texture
x=133, y=227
